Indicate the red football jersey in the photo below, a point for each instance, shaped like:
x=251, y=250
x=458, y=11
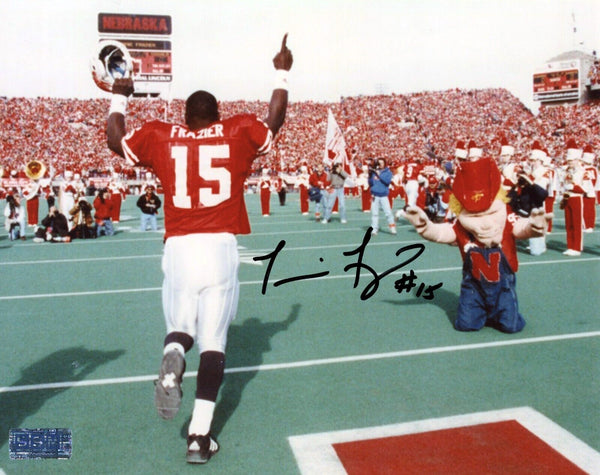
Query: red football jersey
x=202, y=172
x=412, y=171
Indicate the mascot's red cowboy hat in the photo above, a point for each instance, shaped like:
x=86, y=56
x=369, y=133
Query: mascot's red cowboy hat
x=476, y=184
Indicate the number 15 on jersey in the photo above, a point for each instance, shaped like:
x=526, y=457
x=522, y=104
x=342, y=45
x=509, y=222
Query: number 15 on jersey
x=213, y=182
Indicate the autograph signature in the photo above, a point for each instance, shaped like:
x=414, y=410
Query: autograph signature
x=406, y=283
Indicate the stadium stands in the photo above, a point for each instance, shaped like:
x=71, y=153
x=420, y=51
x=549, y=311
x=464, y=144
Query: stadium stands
x=70, y=133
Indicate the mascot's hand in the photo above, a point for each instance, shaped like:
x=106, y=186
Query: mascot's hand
x=417, y=217
x=539, y=220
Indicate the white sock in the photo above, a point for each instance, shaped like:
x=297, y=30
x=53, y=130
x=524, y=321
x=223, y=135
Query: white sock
x=174, y=346
x=201, y=417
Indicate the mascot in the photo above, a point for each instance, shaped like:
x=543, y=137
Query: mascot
x=485, y=230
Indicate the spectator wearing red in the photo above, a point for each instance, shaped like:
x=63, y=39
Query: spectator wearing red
x=103, y=212
x=318, y=180
x=264, y=187
x=433, y=199
x=302, y=185
x=412, y=178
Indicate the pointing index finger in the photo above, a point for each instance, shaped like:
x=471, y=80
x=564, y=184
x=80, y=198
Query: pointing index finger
x=283, y=43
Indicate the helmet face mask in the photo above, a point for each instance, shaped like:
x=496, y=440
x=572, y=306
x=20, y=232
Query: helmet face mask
x=111, y=61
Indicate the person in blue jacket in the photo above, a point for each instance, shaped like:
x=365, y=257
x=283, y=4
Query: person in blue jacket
x=380, y=177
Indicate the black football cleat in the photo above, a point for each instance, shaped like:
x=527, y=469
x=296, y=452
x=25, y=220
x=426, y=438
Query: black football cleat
x=200, y=448
x=167, y=388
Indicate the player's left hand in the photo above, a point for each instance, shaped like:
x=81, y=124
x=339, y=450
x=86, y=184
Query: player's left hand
x=123, y=86
x=283, y=59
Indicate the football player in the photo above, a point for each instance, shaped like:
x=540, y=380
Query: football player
x=202, y=166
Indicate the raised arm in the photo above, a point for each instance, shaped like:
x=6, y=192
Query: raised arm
x=279, y=99
x=115, y=127
x=436, y=232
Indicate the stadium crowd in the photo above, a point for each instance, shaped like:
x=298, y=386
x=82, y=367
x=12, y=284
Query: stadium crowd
x=594, y=73
x=68, y=135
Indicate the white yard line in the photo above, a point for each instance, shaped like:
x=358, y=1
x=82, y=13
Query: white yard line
x=317, y=362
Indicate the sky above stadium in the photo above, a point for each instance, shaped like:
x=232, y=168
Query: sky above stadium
x=340, y=47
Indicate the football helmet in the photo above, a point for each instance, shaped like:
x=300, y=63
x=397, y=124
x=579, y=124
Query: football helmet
x=110, y=61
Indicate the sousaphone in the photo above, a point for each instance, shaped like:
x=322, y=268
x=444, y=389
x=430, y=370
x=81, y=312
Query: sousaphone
x=35, y=169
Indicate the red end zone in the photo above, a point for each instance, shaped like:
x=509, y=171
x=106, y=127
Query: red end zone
x=518, y=440
x=495, y=448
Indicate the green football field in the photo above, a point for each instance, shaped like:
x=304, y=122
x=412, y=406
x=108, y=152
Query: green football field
x=333, y=334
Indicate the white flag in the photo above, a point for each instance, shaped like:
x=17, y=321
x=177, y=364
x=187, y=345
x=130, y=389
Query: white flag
x=335, y=146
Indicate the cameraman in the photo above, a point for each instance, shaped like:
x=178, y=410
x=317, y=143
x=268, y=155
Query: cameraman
x=84, y=226
x=337, y=177
x=14, y=215
x=54, y=228
x=380, y=177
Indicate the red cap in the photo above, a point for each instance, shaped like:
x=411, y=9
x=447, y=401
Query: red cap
x=573, y=151
x=461, y=150
x=588, y=154
x=537, y=151
x=505, y=148
x=474, y=150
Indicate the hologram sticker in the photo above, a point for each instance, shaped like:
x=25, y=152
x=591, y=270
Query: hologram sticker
x=27, y=444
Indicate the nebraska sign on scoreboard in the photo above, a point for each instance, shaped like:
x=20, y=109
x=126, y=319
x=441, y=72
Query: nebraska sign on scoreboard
x=148, y=39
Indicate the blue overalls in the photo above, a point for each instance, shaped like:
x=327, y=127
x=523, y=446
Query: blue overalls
x=488, y=292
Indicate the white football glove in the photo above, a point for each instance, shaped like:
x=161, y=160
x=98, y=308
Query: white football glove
x=538, y=220
x=417, y=217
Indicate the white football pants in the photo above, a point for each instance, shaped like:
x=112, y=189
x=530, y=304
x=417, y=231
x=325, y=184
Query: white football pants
x=412, y=192
x=200, y=287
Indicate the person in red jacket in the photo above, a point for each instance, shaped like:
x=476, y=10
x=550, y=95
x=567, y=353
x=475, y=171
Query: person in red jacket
x=104, y=209
x=318, y=184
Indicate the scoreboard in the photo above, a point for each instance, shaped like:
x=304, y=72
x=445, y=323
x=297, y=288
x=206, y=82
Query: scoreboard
x=558, y=81
x=148, y=39
x=151, y=59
